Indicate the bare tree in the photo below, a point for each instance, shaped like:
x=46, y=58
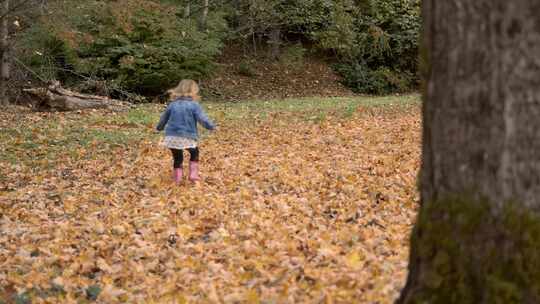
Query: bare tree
x=8, y=8
x=187, y=10
x=477, y=236
x=204, y=15
x=275, y=41
x=4, y=52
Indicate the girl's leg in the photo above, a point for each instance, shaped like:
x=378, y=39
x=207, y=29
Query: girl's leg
x=194, y=154
x=178, y=157
x=194, y=164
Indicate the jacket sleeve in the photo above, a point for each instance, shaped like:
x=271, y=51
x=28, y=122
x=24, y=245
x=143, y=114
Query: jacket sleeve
x=203, y=119
x=164, y=119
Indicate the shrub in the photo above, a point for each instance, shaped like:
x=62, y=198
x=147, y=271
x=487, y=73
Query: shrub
x=145, y=51
x=293, y=55
x=383, y=80
x=155, y=54
x=246, y=69
x=49, y=55
x=382, y=56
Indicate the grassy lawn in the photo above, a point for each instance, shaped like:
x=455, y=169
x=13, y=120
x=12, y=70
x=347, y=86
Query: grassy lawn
x=68, y=135
x=305, y=200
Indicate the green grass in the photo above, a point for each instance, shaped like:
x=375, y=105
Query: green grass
x=49, y=141
x=309, y=108
x=142, y=115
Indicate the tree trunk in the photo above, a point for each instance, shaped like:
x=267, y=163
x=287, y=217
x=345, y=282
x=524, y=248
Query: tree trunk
x=4, y=56
x=237, y=13
x=275, y=42
x=43, y=7
x=187, y=11
x=477, y=236
x=204, y=16
x=56, y=98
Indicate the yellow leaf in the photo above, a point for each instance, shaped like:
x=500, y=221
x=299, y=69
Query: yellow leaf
x=184, y=231
x=354, y=259
x=252, y=297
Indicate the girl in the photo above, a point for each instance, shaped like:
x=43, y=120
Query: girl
x=180, y=123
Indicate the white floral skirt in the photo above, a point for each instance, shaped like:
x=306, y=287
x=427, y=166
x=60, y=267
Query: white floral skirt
x=180, y=143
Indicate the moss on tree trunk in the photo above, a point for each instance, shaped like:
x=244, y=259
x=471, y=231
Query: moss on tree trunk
x=466, y=253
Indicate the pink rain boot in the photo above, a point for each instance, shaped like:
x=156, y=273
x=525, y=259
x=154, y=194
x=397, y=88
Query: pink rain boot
x=194, y=171
x=178, y=174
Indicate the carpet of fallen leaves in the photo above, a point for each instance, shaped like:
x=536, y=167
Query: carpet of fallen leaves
x=289, y=211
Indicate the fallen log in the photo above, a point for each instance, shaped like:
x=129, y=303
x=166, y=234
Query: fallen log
x=56, y=98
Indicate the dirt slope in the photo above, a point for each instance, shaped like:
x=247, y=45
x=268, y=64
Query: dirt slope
x=270, y=79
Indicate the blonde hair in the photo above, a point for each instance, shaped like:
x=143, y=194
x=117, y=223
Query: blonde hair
x=186, y=88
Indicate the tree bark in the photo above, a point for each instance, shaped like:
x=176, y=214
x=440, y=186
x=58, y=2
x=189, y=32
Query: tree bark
x=480, y=175
x=43, y=6
x=4, y=56
x=204, y=16
x=275, y=42
x=187, y=11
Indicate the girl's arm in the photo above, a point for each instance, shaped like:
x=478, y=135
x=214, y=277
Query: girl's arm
x=164, y=118
x=203, y=119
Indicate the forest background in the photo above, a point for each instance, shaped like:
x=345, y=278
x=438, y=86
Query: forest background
x=136, y=49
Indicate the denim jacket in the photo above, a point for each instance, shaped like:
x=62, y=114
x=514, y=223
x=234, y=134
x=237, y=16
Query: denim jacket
x=181, y=117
